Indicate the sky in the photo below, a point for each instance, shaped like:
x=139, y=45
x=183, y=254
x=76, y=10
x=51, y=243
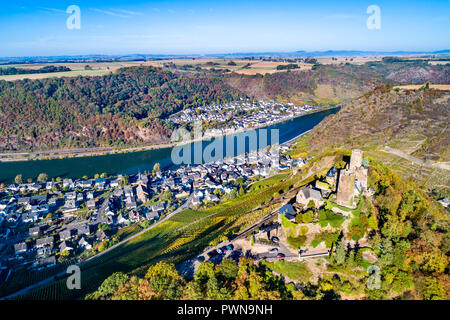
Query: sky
x=39, y=28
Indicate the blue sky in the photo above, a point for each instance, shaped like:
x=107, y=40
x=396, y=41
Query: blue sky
x=33, y=28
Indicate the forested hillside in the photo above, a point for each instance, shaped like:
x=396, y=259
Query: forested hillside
x=122, y=108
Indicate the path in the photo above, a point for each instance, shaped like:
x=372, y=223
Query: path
x=428, y=163
x=63, y=273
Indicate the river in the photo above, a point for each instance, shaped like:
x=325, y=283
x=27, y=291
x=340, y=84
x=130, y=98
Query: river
x=133, y=162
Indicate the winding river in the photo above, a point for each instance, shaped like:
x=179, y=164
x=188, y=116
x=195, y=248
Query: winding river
x=133, y=162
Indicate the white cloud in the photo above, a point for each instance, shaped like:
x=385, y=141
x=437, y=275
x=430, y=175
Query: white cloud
x=111, y=13
x=128, y=12
x=54, y=10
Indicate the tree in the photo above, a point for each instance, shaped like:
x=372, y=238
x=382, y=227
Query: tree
x=42, y=177
x=124, y=181
x=18, y=179
x=112, y=283
x=156, y=168
x=128, y=291
x=165, y=280
x=433, y=290
x=228, y=268
x=193, y=291
x=341, y=252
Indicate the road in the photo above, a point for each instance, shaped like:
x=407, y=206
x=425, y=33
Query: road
x=52, y=278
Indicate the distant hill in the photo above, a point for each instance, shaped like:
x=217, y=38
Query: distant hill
x=334, y=83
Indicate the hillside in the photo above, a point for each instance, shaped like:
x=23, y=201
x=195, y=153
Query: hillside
x=121, y=108
x=385, y=116
x=334, y=83
x=324, y=83
x=129, y=107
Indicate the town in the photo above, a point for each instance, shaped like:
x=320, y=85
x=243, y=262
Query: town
x=241, y=115
x=49, y=223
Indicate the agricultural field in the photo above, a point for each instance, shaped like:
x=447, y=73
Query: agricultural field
x=352, y=60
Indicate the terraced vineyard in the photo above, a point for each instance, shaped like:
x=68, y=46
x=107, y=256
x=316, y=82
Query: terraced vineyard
x=179, y=238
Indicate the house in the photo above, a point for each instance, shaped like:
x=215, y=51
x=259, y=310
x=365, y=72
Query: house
x=324, y=188
x=45, y=242
x=71, y=195
x=20, y=248
x=68, y=183
x=64, y=246
x=196, y=201
x=331, y=176
x=34, y=231
x=149, y=215
x=142, y=193
x=85, y=184
x=100, y=235
x=83, y=243
x=212, y=197
x=308, y=194
x=444, y=201
x=23, y=201
x=130, y=204
x=142, y=179
x=80, y=198
x=46, y=262
x=288, y=211
x=84, y=229
x=69, y=206
x=91, y=204
x=158, y=207
x=134, y=216
x=182, y=194
x=122, y=220
x=29, y=217
x=128, y=191
x=100, y=183
x=65, y=235
x=53, y=201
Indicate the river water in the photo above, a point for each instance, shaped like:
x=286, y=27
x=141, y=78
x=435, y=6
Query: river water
x=133, y=162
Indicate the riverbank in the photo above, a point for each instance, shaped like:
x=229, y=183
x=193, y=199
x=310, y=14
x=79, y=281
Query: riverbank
x=139, y=161
x=102, y=151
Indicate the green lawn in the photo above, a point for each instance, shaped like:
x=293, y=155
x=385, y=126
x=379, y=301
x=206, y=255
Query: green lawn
x=297, y=271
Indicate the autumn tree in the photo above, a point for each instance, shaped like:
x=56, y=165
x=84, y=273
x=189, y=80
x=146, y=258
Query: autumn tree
x=42, y=177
